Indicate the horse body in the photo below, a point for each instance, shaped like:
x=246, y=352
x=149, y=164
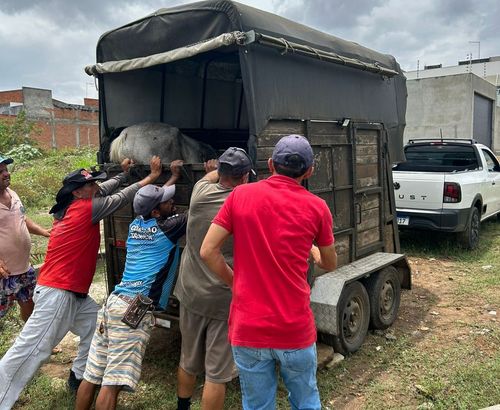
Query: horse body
x=140, y=142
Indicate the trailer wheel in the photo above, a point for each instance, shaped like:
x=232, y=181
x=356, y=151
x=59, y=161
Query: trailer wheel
x=384, y=292
x=469, y=239
x=353, y=319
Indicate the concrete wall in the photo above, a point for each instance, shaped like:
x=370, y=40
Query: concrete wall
x=446, y=104
x=496, y=142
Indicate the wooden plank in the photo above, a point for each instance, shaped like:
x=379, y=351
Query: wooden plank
x=264, y=153
x=369, y=202
x=325, y=128
x=364, y=137
x=342, y=246
x=366, y=150
x=367, y=237
x=369, y=219
x=367, y=160
x=342, y=166
x=275, y=129
x=328, y=139
x=363, y=171
x=367, y=182
x=120, y=227
x=342, y=214
x=323, y=169
x=389, y=238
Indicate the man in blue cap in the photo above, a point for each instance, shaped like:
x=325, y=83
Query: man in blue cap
x=117, y=349
x=274, y=223
x=17, y=276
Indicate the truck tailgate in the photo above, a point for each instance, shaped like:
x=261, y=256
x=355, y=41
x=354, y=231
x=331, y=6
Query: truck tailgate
x=418, y=190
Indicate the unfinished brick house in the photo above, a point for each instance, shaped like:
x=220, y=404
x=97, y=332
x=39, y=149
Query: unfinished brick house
x=61, y=124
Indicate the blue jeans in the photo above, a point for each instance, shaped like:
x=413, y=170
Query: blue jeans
x=259, y=381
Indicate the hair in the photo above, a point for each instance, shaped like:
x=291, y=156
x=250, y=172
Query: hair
x=226, y=171
x=294, y=169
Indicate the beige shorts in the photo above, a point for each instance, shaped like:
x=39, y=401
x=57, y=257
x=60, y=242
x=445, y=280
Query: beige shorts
x=205, y=348
x=116, y=352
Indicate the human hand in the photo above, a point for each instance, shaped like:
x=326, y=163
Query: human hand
x=315, y=254
x=211, y=165
x=155, y=166
x=176, y=166
x=126, y=164
x=4, y=272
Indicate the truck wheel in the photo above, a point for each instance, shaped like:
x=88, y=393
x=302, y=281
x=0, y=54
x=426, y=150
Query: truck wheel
x=353, y=318
x=469, y=239
x=384, y=292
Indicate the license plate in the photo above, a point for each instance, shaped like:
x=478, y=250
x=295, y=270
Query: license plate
x=403, y=220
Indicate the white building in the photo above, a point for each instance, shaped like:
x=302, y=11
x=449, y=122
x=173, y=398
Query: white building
x=460, y=101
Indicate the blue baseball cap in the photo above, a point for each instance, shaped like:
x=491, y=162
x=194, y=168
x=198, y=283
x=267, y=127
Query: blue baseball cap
x=6, y=161
x=294, y=152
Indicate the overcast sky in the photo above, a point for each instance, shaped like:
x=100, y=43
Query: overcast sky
x=47, y=43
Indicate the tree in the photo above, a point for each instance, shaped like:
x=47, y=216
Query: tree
x=17, y=132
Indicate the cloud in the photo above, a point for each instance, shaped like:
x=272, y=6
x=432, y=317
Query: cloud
x=47, y=43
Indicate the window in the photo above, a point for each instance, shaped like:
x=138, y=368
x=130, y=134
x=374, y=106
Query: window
x=491, y=162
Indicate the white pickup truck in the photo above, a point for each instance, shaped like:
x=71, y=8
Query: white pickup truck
x=447, y=185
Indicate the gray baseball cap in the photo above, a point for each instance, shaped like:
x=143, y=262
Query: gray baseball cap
x=293, y=151
x=149, y=196
x=235, y=161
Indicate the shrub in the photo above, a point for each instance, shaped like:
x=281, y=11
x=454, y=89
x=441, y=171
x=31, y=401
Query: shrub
x=17, y=132
x=37, y=181
x=24, y=152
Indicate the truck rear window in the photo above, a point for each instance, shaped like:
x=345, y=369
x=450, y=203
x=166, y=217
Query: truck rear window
x=439, y=158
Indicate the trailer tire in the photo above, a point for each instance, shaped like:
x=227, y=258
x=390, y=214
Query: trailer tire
x=353, y=318
x=384, y=292
x=469, y=239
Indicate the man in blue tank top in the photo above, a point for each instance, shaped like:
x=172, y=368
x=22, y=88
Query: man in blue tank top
x=117, y=350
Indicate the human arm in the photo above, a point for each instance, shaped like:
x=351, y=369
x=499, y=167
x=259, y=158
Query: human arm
x=4, y=272
x=212, y=175
x=36, y=229
x=211, y=253
x=325, y=257
x=175, y=171
x=105, y=205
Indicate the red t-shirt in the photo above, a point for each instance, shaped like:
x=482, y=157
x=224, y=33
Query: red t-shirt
x=72, y=250
x=274, y=223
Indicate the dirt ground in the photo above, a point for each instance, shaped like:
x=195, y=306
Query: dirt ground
x=431, y=315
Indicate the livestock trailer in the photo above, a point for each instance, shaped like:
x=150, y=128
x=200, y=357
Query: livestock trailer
x=230, y=75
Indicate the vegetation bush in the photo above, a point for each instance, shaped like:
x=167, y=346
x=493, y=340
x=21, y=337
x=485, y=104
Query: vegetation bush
x=37, y=180
x=16, y=132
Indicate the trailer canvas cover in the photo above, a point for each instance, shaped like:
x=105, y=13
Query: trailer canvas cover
x=276, y=84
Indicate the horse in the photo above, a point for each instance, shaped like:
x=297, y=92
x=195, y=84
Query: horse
x=140, y=142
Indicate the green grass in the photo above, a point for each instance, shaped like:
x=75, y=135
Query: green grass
x=425, y=369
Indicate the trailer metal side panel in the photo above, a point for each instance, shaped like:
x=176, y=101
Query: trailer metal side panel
x=326, y=291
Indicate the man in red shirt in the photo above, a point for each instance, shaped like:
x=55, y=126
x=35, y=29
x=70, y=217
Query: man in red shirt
x=61, y=296
x=274, y=224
